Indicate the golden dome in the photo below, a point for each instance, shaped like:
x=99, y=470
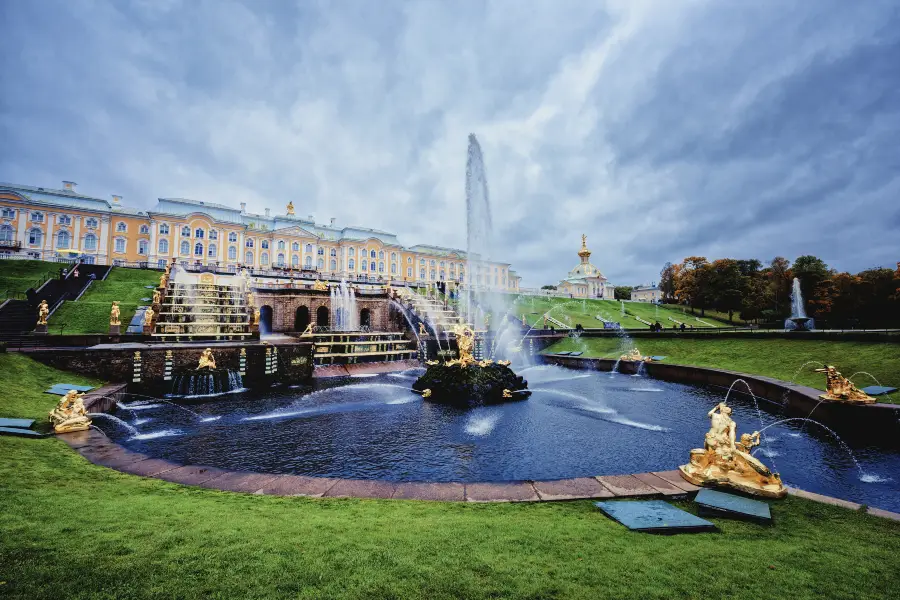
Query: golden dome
x=584, y=253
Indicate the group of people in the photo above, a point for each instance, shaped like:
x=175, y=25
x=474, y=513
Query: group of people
x=657, y=327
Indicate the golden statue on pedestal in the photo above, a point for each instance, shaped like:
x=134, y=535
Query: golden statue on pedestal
x=308, y=330
x=422, y=330
x=320, y=286
x=724, y=463
x=507, y=393
x=290, y=208
x=43, y=312
x=840, y=389
x=465, y=342
x=156, y=297
x=148, y=317
x=114, y=314
x=206, y=360
x=164, y=279
x=70, y=414
x=635, y=355
x=504, y=363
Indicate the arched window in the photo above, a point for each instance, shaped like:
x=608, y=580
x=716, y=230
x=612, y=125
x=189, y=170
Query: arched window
x=320, y=251
x=265, y=244
x=232, y=236
x=211, y=251
x=442, y=264
x=351, y=264
x=295, y=261
x=393, y=256
x=213, y=234
x=90, y=242
x=308, y=262
x=144, y=230
x=422, y=262
x=185, y=231
x=6, y=233
x=351, y=251
x=163, y=247
x=381, y=255
x=393, y=268
x=295, y=247
x=320, y=263
x=249, y=243
x=264, y=258
x=422, y=274
x=279, y=260
x=409, y=271
x=120, y=245
x=372, y=266
x=185, y=248
x=371, y=254
x=432, y=262
x=442, y=275
x=333, y=265
x=34, y=237
x=409, y=260
x=381, y=267
x=199, y=233
x=64, y=220
x=143, y=246
x=363, y=265
x=432, y=274
x=232, y=253
x=91, y=223
x=7, y=213
x=333, y=252
x=198, y=249
x=37, y=217
x=281, y=244
x=163, y=229
x=62, y=239
x=121, y=227
x=309, y=248
x=248, y=258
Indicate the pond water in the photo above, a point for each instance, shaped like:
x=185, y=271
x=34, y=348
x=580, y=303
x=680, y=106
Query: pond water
x=575, y=424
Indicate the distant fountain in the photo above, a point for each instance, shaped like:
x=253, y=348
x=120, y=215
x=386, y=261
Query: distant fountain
x=206, y=379
x=344, y=314
x=798, y=321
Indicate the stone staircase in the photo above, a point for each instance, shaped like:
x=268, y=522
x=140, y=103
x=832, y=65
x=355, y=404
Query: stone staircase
x=202, y=311
x=430, y=310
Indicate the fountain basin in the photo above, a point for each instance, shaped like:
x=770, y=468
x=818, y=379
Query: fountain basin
x=471, y=385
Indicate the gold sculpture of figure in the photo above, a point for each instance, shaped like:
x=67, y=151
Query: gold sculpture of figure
x=507, y=394
x=320, y=286
x=722, y=462
x=148, y=317
x=70, y=414
x=426, y=393
x=485, y=363
x=635, y=355
x=206, y=360
x=840, y=389
x=43, y=312
x=308, y=330
x=465, y=341
x=422, y=330
x=504, y=363
x=114, y=314
x=524, y=322
x=163, y=280
x=431, y=363
x=290, y=208
x=156, y=297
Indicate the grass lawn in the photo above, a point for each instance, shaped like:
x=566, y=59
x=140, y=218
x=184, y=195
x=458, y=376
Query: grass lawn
x=75, y=530
x=16, y=276
x=90, y=314
x=778, y=358
x=585, y=311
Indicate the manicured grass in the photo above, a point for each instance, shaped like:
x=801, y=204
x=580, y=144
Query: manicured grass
x=16, y=276
x=75, y=530
x=780, y=358
x=573, y=312
x=90, y=314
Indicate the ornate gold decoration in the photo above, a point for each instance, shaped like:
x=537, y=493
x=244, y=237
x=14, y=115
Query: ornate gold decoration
x=422, y=330
x=256, y=316
x=724, y=463
x=308, y=330
x=156, y=296
x=635, y=355
x=840, y=389
x=505, y=363
x=164, y=279
x=43, y=312
x=169, y=354
x=70, y=414
x=431, y=362
x=320, y=286
x=426, y=393
x=465, y=341
x=114, y=314
x=584, y=252
x=507, y=393
x=485, y=363
x=206, y=360
x=290, y=208
x=148, y=317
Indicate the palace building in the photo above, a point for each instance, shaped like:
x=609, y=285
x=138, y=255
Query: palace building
x=586, y=280
x=44, y=223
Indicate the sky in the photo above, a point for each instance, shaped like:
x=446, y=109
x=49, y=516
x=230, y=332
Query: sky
x=660, y=129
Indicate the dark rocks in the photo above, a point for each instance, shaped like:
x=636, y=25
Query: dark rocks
x=473, y=385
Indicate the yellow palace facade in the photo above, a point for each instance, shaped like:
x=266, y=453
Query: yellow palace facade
x=45, y=223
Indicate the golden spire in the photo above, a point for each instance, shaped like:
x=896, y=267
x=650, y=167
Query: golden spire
x=584, y=253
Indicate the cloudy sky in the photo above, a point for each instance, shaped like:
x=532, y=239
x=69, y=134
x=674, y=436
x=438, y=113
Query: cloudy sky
x=661, y=129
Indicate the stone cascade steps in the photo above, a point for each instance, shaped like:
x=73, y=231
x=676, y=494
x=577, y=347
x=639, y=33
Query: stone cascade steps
x=203, y=311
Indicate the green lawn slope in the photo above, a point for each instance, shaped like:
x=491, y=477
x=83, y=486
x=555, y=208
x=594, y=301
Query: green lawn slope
x=71, y=529
x=16, y=276
x=90, y=314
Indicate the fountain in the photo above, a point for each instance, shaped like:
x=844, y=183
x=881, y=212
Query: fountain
x=206, y=379
x=840, y=389
x=723, y=462
x=468, y=382
x=344, y=315
x=798, y=321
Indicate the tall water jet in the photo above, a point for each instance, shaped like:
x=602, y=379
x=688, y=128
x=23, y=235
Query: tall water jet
x=798, y=320
x=345, y=316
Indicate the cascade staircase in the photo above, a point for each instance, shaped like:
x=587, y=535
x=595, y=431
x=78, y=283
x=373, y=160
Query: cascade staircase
x=202, y=311
x=353, y=347
x=430, y=310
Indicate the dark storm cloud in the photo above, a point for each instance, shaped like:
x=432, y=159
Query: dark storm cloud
x=661, y=130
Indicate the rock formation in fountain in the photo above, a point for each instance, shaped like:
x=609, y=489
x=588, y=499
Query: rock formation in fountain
x=468, y=382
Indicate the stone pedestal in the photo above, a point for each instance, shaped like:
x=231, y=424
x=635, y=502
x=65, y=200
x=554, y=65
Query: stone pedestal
x=115, y=329
x=40, y=329
x=148, y=329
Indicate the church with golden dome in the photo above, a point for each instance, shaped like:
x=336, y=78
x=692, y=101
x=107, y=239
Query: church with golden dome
x=586, y=280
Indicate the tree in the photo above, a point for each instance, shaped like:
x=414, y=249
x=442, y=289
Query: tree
x=667, y=282
x=778, y=288
x=726, y=286
x=548, y=287
x=811, y=271
x=693, y=282
x=623, y=292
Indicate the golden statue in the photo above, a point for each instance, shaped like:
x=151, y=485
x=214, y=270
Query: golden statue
x=308, y=330
x=426, y=393
x=431, y=363
x=114, y=314
x=43, y=312
x=320, y=286
x=485, y=363
x=256, y=316
x=635, y=355
x=422, y=330
x=70, y=414
x=156, y=296
x=507, y=394
x=722, y=462
x=206, y=360
x=148, y=317
x=504, y=363
x=524, y=322
x=840, y=389
x=465, y=341
x=290, y=208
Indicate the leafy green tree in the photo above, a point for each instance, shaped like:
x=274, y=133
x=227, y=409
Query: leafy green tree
x=811, y=271
x=623, y=292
